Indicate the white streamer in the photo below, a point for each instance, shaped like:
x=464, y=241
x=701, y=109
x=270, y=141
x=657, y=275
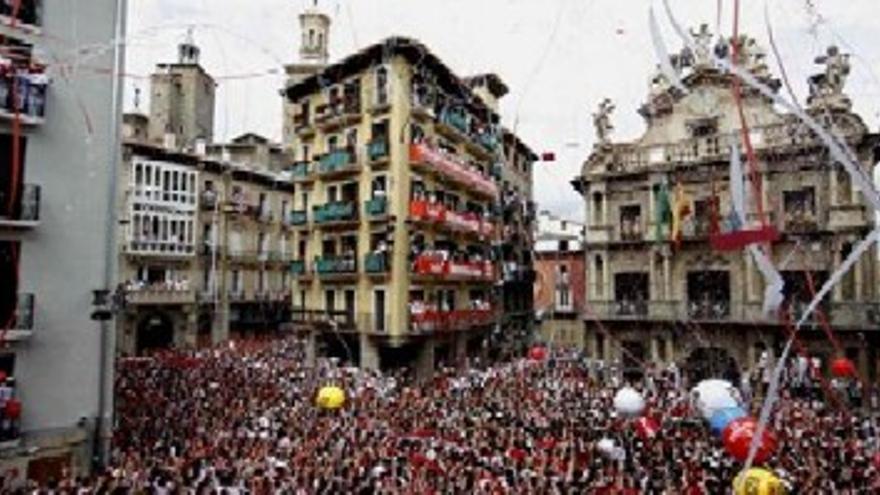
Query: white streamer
x=663, y=54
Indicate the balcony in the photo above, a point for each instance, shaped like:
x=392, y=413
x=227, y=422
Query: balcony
x=23, y=320
x=451, y=168
x=377, y=263
x=298, y=267
x=708, y=310
x=159, y=295
x=450, y=220
x=339, y=114
x=337, y=164
x=299, y=218
x=377, y=208
x=435, y=266
x=236, y=295
x=24, y=14
x=427, y=319
x=341, y=213
x=25, y=215
x=302, y=171
x=800, y=223
x=302, y=125
x=243, y=256
x=336, y=267
x=378, y=152
x=631, y=308
x=208, y=200
x=159, y=249
x=30, y=108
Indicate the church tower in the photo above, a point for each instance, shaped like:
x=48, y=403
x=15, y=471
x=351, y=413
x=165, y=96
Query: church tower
x=314, y=55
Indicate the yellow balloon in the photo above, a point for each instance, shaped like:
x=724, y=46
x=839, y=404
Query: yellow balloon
x=330, y=398
x=758, y=481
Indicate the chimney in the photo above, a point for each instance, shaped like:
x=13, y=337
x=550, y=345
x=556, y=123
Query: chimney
x=170, y=141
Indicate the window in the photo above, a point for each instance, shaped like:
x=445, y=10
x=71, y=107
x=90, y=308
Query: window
x=382, y=86
x=305, y=152
x=236, y=281
x=329, y=301
x=351, y=139
x=332, y=143
x=311, y=37
x=598, y=212
x=599, y=276
x=563, y=289
x=563, y=246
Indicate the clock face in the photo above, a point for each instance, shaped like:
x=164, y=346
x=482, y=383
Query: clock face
x=704, y=102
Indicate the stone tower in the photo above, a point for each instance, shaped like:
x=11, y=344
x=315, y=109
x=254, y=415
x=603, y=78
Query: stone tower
x=182, y=100
x=314, y=55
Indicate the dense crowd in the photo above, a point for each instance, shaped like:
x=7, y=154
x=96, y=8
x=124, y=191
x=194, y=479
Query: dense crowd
x=242, y=420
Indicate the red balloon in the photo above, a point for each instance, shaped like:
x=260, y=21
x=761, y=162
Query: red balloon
x=537, y=353
x=843, y=368
x=647, y=427
x=12, y=409
x=738, y=435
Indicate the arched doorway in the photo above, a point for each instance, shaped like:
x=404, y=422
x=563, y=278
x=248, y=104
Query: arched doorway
x=711, y=362
x=155, y=331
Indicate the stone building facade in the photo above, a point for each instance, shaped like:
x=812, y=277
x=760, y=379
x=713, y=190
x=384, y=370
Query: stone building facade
x=205, y=244
x=659, y=291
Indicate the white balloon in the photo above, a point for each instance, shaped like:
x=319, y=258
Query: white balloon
x=629, y=402
x=711, y=395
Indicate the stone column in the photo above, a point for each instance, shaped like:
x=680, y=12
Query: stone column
x=667, y=278
x=311, y=345
x=605, y=208
x=859, y=275
x=369, y=353
x=652, y=277
x=425, y=361
x=655, y=353
x=191, y=327
x=832, y=181
x=750, y=278
x=837, y=290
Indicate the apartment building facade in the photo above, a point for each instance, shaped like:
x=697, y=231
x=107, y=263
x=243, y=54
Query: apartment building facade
x=658, y=211
x=398, y=204
x=57, y=136
x=560, y=282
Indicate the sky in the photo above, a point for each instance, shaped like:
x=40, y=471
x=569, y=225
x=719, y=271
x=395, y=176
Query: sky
x=560, y=58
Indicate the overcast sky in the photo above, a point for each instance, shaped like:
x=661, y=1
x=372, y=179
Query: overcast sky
x=559, y=57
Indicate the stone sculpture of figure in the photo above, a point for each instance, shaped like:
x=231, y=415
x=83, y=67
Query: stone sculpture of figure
x=659, y=83
x=602, y=121
x=753, y=57
x=833, y=79
x=703, y=46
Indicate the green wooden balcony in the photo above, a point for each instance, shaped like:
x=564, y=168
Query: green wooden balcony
x=300, y=170
x=341, y=211
x=335, y=161
x=298, y=267
x=377, y=207
x=300, y=217
x=376, y=263
x=334, y=265
x=377, y=150
x=456, y=119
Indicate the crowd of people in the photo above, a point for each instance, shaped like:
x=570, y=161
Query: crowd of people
x=241, y=419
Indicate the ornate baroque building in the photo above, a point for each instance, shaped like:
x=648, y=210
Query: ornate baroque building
x=658, y=291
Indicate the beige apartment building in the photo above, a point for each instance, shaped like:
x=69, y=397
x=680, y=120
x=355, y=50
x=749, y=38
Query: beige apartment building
x=403, y=175
x=205, y=241
x=652, y=298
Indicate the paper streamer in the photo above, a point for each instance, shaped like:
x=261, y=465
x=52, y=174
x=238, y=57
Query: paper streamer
x=663, y=54
x=773, y=293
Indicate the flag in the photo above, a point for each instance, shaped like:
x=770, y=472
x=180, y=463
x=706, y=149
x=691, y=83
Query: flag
x=548, y=156
x=662, y=212
x=680, y=211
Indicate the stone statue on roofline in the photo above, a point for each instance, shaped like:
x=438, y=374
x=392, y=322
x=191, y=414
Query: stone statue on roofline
x=826, y=88
x=702, y=56
x=602, y=122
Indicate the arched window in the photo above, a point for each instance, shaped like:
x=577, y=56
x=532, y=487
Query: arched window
x=382, y=86
x=311, y=38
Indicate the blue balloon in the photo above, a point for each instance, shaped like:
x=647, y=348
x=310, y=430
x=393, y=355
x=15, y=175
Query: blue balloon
x=722, y=417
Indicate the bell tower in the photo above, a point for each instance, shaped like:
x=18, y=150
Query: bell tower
x=315, y=30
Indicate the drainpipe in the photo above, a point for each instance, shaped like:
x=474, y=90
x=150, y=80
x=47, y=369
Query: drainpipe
x=104, y=416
